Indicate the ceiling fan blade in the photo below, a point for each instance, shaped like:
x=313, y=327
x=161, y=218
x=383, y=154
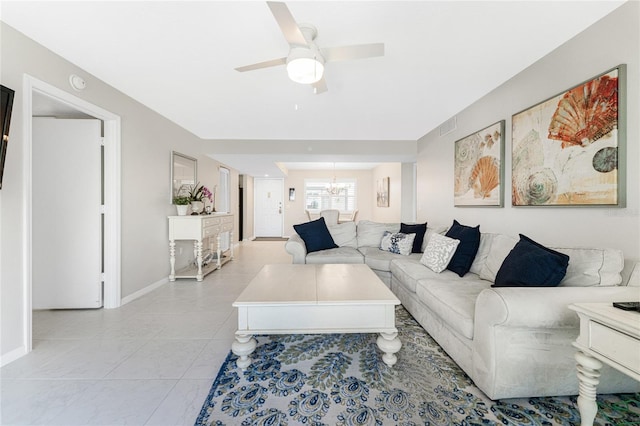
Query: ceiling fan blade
x=265, y=64
x=287, y=24
x=320, y=86
x=356, y=51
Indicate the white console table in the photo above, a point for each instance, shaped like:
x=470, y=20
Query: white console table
x=199, y=229
x=607, y=335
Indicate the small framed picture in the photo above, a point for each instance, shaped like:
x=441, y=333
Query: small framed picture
x=292, y=194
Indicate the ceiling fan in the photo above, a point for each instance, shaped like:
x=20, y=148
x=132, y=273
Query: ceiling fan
x=305, y=61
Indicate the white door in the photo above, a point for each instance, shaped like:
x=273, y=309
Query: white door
x=268, y=207
x=66, y=218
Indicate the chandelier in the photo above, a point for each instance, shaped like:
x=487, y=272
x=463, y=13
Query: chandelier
x=334, y=188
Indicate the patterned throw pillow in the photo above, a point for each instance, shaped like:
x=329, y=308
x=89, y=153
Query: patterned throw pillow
x=439, y=252
x=397, y=242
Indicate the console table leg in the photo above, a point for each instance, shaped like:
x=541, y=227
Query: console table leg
x=389, y=344
x=218, y=253
x=242, y=347
x=172, y=260
x=588, y=375
x=198, y=252
x=231, y=245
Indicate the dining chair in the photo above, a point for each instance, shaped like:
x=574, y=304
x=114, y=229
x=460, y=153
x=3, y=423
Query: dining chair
x=330, y=216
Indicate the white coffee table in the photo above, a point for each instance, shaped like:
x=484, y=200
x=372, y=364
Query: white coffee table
x=316, y=299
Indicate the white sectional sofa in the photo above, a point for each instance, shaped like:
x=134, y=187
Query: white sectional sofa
x=511, y=341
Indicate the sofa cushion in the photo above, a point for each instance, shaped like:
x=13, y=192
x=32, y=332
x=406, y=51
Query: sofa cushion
x=397, y=242
x=465, y=253
x=500, y=247
x=453, y=300
x=483, y=252
x=429, y=233
x=370, y=233
x=336, y=255
x=532, y=264
x=592, y=267
x=408, y=271
x=419, y=229
x=315, y=235
x=439, y=252
x=344, y=234
x=380, y=260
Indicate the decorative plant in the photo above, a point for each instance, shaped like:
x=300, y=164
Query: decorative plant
x=181, y=200
x=197, y=192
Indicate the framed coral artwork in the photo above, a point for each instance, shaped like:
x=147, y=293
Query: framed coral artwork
x=478, y=168
x=566, y=150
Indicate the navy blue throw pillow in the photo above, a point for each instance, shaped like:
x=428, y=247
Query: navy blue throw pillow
x=315, y=235
x=533, y=265
x=467, y=249
x=419, y=230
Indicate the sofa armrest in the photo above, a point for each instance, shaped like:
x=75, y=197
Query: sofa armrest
x=532, y=329
x=541, y=306
x=295, y=247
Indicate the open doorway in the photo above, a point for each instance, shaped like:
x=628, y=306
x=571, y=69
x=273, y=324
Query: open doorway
x=34, y=88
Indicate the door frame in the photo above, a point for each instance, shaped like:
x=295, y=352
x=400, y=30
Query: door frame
x=112, y=195
x=255, y=204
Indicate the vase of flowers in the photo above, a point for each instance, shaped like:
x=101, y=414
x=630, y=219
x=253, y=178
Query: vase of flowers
x=182, y=204
x=197, y=194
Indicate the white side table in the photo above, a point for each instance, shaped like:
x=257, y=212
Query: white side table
x=199, y=228
x=607, y=335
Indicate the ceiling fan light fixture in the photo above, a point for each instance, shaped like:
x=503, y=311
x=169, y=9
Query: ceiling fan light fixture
x=304, y=67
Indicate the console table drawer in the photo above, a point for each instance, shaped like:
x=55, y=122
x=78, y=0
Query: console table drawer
x=618, y=347
x=227, y=227
x=212, y=221
x=211, y=231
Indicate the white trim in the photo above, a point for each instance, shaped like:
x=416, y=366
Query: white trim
x=27, y=113
x=12, y=356
x=146, y=290
x=112, y=150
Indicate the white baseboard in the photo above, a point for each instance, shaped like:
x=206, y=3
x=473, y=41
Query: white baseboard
x=12, y=356
x=143, y=291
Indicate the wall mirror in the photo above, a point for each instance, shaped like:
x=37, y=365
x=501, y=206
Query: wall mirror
x=184, y=172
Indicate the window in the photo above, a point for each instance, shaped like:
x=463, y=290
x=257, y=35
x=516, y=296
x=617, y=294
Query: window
x=223, y=199
x=317, y=196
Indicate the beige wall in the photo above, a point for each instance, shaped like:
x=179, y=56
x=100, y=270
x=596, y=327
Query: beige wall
x=147, y=141
x=612, y=41
x=392, y=213
x=248, y=230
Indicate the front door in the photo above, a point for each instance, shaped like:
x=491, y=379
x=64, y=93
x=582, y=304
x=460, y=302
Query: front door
x=268, y=207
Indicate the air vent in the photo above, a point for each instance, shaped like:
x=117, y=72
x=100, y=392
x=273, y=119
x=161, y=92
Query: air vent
x=448, y=126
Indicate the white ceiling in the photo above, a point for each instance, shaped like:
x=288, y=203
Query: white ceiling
x=178, y=58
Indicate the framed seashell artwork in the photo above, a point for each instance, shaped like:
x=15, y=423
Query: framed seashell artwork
x=478, y=168
x=565, y=150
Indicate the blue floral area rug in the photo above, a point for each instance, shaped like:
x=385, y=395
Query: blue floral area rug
x=340, y=379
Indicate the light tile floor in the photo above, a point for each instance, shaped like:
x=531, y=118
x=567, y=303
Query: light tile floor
x=150, y=362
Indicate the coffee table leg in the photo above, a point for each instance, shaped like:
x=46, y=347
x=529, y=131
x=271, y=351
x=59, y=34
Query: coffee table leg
x=588, y=376
x=389, y=344
x=243, y=346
